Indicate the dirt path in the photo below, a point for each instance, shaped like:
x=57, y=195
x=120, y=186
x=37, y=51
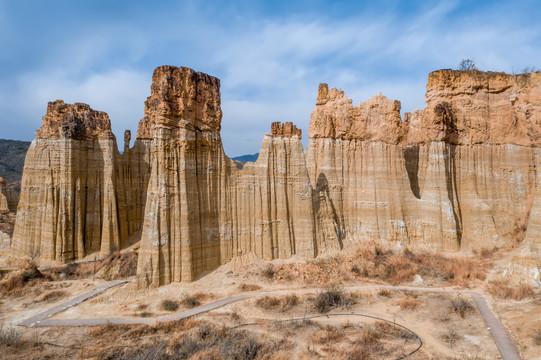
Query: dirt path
x=39, y=318
x=500, y=336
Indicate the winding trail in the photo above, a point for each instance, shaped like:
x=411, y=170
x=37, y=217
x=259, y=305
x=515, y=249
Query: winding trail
x=500, y=336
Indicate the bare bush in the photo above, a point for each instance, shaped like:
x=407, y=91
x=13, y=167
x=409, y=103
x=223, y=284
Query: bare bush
x=269, y=272
x=278, y=303
x=461, y=306
x=249, y=287
x=330, y=298
x=169, y=305
x=193, y=300
x=10, y=336
x=467, y=65
x=451, y=336
x=408, y=303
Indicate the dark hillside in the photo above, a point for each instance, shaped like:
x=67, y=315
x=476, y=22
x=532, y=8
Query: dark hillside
x=12, y=154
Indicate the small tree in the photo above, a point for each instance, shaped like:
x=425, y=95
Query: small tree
x=467, y=65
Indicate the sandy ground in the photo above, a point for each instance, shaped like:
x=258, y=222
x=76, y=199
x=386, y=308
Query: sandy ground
x=445, y=334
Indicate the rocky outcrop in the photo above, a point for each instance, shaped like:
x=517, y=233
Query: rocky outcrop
x=475, y=107
x=455, y=175
x=4, y=206
x=334, y=117
x=181, y=98
x=460, y=174
x=78, y=195
x=286, y=130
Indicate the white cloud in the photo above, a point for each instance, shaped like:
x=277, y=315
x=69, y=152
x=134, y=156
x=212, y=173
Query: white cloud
x=120, y=93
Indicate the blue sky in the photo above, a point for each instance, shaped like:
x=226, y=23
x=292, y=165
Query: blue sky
x=269, y=55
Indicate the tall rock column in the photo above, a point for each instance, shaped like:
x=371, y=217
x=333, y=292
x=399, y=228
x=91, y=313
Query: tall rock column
x=72, y=188
x=188, y=186
x=273, y=212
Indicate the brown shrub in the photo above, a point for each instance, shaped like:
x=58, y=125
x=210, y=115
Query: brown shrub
x=169, y=305
x=269, y=272
x=332, y=297
x=19, y=283
x=52, y=296
x=119, y=265
x=191, y=301
x=249, y=287
x=278, y=303
x=461, y=306
x=328, y=335
x=504, y=290
x=408, y=303
x=384, y=293
x=451, y=336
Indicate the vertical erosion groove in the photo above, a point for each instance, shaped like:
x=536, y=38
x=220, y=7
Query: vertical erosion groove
x=411, y=157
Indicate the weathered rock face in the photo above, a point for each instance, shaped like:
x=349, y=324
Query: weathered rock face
x=287, y=130
x=181, y=98
x=378, y=119
x=474, y=107
x=201, y=211
x=455, y=181
x=78, y=194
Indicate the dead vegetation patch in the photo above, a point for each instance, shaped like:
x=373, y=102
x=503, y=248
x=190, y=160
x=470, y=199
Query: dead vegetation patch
x=408, y=303
x=24, y=281
x=333, y=297
x=193, y=300
x=186, y=340
x=282, y=304
x=374, y=262
x=503, y=289
x=461, y=306
x=169, y=305
x=249, y=287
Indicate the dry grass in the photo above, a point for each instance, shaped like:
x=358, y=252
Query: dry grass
x=537, y=337
x=408, y=303
x=281, y=304
x=186, y=340
x=53, y=296
x=249, y=287
x=24, y=281
x=10, y=336
x=504, y=290
x=375, y=262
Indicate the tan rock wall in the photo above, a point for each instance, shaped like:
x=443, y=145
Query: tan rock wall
x=460, y=174
x=78, y=194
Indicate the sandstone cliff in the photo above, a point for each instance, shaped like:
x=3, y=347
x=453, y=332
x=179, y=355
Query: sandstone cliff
x=201, y=210
x=78, y=194
x=460, y=174
x=453, y=175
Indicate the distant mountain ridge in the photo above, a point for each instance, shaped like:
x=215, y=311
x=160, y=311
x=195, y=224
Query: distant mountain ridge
x=12, y=155
x=246, y=158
